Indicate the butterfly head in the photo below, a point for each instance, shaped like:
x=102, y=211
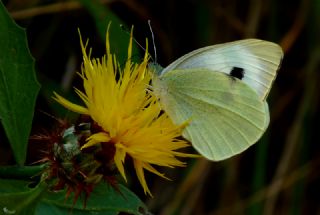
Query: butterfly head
x=155, y=68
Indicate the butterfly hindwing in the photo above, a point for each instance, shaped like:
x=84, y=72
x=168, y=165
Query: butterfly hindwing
x=258, y=60
x=226, y=115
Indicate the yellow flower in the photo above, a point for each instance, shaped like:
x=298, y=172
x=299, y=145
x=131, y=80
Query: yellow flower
x=119, y=101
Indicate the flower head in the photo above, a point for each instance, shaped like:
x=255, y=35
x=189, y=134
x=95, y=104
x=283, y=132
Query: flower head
x=127, y=114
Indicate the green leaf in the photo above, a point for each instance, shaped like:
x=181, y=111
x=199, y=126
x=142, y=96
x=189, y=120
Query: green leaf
x=21, y=172
x=103, y=200
x=18, y=85
x=17, y=198
x=119, y=39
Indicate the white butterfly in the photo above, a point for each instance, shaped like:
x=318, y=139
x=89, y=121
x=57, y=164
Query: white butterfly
x=222, y=90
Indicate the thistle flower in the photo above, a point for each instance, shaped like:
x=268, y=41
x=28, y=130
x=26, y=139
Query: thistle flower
x=127, y=114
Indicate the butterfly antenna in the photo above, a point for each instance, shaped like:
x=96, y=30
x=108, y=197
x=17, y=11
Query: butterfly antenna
x=129, y=33
x=154, y=44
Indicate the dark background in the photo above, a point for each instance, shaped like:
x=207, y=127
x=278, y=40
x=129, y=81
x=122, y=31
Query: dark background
x=279, y=174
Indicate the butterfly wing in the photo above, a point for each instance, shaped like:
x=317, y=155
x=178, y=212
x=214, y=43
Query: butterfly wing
x=226, y=115
x=258, y=59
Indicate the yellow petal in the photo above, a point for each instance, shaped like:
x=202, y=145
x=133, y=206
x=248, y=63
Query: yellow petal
x=97, y=138
x=119, y=160
x=119, y=100
x=154, y=171
x=138, y=166
x=69, y=105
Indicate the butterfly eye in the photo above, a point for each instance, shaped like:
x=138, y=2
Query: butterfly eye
x=237, y=72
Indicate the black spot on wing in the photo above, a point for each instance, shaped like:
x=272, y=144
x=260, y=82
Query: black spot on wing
x=237, y=72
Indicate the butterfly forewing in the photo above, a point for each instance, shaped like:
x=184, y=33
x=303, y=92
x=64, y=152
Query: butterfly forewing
x=226, y=115
x=258, y=59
